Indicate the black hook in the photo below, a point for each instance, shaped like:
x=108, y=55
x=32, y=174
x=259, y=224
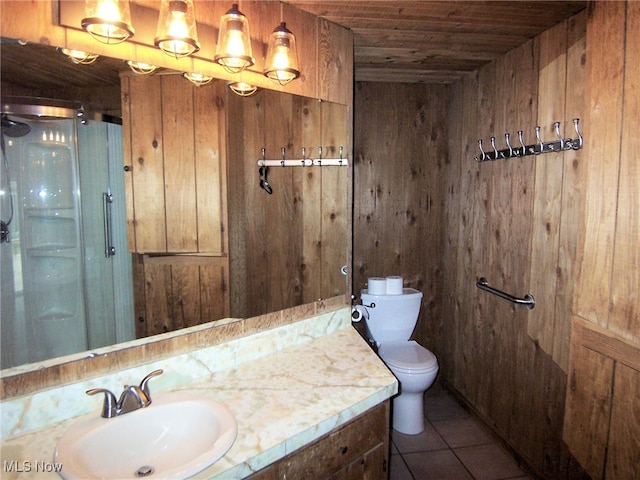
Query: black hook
x=264, y=181
x=263, y=172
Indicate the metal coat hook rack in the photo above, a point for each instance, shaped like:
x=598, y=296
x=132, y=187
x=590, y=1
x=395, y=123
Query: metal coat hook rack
x=304, y=161
x=537, y=148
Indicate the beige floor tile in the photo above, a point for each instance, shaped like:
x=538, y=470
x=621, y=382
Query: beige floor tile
x=423, y=442
x=462, y=432
x=454, y=446
x=399, y=470
x=394, y=449
x=440, y=405
x=488, y=462
x=437, y=465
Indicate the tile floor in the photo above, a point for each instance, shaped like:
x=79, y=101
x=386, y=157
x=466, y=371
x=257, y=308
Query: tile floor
x=454, y=446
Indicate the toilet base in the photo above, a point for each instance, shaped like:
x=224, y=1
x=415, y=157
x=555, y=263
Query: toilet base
x=408, y=413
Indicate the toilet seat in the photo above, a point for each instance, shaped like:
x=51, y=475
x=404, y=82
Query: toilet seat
x=408, y=357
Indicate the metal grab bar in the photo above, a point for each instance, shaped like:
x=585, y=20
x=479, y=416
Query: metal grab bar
x=107, y=201
x=528, y=300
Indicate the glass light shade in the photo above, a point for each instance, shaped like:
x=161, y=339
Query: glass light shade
x=233, y=51
x=282, y=59
x=243, y=89
x=177, y=34
x=79, y=57
x=141, y=68
x=197, y=79
x=108, y=21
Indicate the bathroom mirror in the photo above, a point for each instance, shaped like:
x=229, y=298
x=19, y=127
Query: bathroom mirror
x=41, y=71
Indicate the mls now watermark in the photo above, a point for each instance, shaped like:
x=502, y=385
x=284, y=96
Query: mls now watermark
x=11, y=466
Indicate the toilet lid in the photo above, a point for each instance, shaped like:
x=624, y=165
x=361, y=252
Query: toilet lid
x=407, y=355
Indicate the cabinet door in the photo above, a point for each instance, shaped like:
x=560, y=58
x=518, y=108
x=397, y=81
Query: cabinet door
x=143, y=164
x=174, y=161
x=178, y=291
x=373, y=465
x=357, y=450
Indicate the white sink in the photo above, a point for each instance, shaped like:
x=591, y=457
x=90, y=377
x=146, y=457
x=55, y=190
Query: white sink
x=176, y=436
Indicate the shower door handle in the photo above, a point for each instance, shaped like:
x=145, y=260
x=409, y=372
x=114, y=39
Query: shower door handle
x=107, y=201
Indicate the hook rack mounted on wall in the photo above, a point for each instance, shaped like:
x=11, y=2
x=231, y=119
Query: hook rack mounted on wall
x=538, y=148
x=304, y=161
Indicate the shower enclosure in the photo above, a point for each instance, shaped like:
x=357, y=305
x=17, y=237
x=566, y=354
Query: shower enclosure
x=66, y=273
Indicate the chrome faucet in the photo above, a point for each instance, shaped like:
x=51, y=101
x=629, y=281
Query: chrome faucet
x=132, y=398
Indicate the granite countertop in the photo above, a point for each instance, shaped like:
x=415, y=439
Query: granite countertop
x=282, y=401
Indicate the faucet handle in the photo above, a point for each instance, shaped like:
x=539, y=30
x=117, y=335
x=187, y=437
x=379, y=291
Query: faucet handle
x=144, y=384
x=110, y=406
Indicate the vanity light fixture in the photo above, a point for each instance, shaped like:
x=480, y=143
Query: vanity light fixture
x=197, y=79
x=141, y=68
x=177, y=34
x=243, y=89
x=282, y=59
x=79, y=57
x=233, y=51
x=108, y=21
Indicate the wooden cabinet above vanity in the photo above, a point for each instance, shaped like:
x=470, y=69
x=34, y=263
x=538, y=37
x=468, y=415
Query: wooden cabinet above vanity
x=175, y=165
x=175, y=181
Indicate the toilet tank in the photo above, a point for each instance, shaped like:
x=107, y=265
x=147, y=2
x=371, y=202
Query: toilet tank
x=393, y=317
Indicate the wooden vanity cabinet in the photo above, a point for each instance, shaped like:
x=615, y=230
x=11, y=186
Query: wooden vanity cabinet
x=355, y=451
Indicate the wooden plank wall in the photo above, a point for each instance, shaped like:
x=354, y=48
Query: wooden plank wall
x=286, y=248
x=610, y=230
x=401, y=144
x=504, y=222
x=424, y=209
x=602, y=425
x=515, y=223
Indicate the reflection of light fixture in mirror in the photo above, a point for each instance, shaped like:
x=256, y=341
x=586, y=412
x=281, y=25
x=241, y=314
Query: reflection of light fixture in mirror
x=79, y=57
x=197, y=79
x=243, y=89
x=177, y=34
x=234, y=42
x=282, y=59
x=108, y=21
x=141, y=68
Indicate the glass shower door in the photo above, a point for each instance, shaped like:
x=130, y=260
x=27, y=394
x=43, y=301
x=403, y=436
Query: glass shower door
x=109, y=292
x=51, y=289
x=66, y=272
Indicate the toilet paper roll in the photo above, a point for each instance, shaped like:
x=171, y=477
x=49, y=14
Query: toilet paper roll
x=377, y=286
x=394, y=285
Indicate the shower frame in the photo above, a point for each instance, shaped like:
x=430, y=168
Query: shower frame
x=104, y=297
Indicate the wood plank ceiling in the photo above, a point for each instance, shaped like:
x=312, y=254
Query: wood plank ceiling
x=435, y=41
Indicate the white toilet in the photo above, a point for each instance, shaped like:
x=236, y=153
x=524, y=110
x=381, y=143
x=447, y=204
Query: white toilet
x=390, y=320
